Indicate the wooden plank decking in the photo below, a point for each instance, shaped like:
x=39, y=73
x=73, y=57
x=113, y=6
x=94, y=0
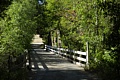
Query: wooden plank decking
x=49, y=66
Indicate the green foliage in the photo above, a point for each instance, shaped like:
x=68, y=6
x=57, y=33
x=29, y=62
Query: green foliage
x=3, y=5
x=47, y=19
x=17, y=27
x=81, y=21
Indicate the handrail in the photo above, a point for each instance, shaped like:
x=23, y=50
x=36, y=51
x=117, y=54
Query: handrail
x=77, y=57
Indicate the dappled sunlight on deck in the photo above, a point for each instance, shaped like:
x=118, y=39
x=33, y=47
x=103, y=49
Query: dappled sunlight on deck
x=50, y=66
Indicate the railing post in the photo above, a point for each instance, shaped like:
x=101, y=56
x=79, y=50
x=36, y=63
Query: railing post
x=45, y=47
x=87, y=46
x=29, y=60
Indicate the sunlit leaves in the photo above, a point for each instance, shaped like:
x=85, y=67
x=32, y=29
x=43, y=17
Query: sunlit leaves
x=18, y=27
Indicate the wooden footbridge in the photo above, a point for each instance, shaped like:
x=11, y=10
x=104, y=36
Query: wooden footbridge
x=56, y=64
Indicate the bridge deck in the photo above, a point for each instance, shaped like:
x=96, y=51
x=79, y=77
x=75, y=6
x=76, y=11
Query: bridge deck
x=48, y=66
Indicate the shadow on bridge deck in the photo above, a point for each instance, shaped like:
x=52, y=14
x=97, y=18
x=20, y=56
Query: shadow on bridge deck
x=49, y=66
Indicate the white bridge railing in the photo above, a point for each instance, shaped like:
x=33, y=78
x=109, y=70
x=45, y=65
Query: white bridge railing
x=77, y=57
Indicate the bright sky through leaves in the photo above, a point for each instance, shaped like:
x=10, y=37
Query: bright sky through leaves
x=40, y=2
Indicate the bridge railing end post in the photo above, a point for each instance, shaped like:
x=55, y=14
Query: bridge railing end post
x=87, y=54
